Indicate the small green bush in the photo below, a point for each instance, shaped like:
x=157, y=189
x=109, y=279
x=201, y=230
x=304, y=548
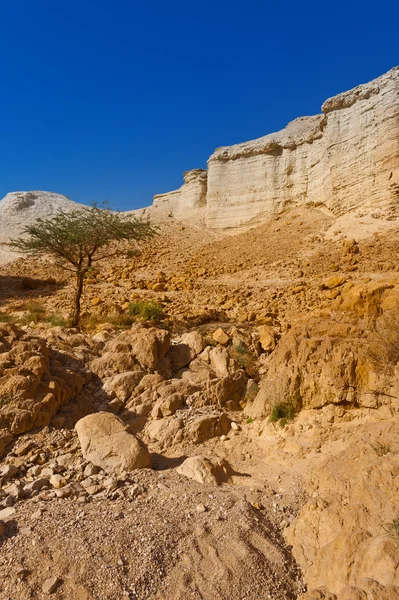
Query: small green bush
x=6, y=318
x=252, y=391
x=56, y=321
x=149, y=311
x=35, y=312
x=282, y=413
x=5, y=399
x=120, y=321
x=249, y=420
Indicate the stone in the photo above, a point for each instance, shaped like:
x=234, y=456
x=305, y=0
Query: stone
x=137, y=349
x=8, y=471
x=206, y=471
x=106, y=443
x=207, y=427
x=5, y=513
x=50, y=585
x=57, y=481
x=334, y=282
x=36, y=485
x=266, y=338
x=221, y=337
x=123, y=384
x=3, y=528
x=194, y=340
x=90, y=470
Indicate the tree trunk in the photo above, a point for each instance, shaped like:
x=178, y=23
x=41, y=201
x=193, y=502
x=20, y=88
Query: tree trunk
x=76, y=302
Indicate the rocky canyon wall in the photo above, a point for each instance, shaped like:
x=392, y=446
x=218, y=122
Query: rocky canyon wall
x=343, y=160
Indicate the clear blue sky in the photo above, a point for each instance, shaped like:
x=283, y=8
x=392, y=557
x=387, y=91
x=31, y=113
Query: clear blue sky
x=114, y=100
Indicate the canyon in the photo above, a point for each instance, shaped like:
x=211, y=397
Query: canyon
x=238, y=439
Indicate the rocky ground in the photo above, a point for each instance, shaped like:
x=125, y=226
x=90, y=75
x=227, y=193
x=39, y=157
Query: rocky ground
x=242, y=444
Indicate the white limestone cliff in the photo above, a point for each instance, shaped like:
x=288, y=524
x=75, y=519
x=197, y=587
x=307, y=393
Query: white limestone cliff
x=19, y=209
x=343, y=160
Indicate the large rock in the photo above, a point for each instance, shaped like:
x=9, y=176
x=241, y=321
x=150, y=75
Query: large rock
x=204, y=470
x=34, y=382
x=351, y=513
x=134, y=350
x=317, y=363
x=106, y=443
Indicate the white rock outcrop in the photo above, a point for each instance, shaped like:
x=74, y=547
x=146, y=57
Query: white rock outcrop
x=20, y=209
x=343, y=160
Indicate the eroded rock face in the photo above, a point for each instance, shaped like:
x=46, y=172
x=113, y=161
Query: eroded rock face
x=33, y=382
x=352, y=506
x=133, y=350
x=344, y=160
x=317, y=363
x=106, y=443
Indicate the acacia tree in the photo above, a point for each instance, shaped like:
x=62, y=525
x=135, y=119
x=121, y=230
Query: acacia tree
x=80, y=238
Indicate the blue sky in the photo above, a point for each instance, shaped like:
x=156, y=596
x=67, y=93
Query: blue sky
x=114, y=100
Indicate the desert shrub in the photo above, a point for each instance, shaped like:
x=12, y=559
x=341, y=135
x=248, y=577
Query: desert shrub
x=5, y=399
x=122, y=321
x=56, y=320
x=245, y=359
x=35, y=312
x=242, y=355
x=79, y=239
x=249, y=420
x=383, y=346
x=282, y=412
x=6, y=318
x=132, y=253
x=252, y=391
x=149, y=311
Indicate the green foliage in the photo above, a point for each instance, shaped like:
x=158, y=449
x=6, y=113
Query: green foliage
x=242, y=355
x=35, y=312
x=56, y=321
x=282, y=413
x=252, y=391
x=6, y=318
x=5, y=399
x=79, y=238
x=149, y=311
x=249, y=420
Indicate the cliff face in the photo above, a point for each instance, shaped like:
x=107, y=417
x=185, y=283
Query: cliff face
x=344, y=160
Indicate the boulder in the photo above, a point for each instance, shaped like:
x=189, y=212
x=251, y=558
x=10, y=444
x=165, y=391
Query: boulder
x=136, y=349
x=106, y=443
x=204, y=470
x=266, y=338
x=123, y=385
x=221, y=337
x=207, y=427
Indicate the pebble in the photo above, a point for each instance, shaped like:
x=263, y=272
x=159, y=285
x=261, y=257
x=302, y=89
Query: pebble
x=91, y=470
x=58, y=481
x=200, y=508
x=8, y=471
x=50, y=585
x=7, y=512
